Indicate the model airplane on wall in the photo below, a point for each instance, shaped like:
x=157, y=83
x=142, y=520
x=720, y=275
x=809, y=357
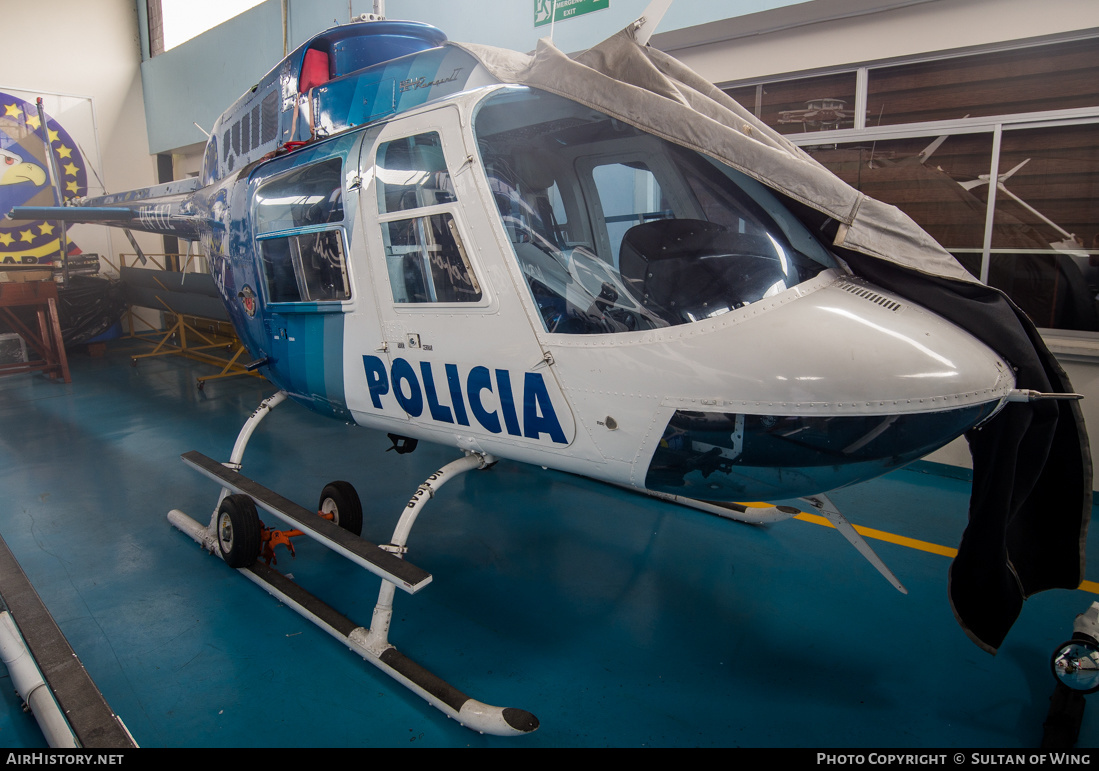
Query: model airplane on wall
x=536, y=258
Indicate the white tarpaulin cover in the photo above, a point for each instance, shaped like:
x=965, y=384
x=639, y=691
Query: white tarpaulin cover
x=658, y=94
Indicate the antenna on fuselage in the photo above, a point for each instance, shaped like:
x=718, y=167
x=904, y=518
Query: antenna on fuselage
x=377, y=15
x=647, y=23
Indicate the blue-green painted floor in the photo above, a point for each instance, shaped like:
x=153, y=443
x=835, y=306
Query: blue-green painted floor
x=618, y=620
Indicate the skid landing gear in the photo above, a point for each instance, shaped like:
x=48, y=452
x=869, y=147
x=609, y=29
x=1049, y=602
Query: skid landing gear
x=236, y=535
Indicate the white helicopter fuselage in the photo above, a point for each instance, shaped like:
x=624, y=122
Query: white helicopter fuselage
x=411, y=245
x=812, y=385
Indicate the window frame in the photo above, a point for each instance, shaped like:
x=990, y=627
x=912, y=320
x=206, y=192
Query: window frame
x=327, y=305
x=1060, y=340
x=450, y=208
x=335, y=303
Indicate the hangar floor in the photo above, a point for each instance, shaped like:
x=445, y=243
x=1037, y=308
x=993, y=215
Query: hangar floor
x=616, y=619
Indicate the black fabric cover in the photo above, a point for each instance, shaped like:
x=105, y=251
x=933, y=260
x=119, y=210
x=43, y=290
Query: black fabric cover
x=88, y=307
x=1032, y=475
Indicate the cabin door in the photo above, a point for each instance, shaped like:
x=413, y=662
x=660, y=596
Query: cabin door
x=458, y=356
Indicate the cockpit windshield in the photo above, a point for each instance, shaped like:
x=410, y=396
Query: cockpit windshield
x=617, y=230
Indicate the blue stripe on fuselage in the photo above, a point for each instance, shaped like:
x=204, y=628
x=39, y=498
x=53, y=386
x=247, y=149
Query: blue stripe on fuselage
x=307, y=360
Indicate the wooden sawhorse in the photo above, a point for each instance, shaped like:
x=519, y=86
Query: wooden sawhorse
x=46, y=342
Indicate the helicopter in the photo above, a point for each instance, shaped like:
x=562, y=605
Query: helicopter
x=536, y=258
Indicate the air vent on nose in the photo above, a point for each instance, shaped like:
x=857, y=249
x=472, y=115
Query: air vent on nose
x=869, y=294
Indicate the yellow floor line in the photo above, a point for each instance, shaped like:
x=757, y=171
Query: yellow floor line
x=912, y=543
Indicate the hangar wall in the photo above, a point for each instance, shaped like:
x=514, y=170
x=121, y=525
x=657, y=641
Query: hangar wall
x=68, y=48
x=788, y=40
x=197, y=80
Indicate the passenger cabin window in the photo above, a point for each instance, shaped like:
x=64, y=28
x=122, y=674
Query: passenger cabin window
x=425, y=256
x=297, y=218
x=617, y=230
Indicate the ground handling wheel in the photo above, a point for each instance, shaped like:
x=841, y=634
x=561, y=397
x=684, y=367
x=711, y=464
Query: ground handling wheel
x=238, y=531
x=340, y=500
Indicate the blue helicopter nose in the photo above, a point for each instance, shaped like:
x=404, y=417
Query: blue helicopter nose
x=871, y=383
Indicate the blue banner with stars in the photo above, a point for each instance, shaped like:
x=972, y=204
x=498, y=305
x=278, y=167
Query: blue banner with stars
x=25, y=180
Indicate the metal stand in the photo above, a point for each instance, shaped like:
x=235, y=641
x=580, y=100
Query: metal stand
x=386, y=561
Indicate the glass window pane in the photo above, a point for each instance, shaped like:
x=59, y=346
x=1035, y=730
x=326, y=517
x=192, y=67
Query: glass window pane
x=412, y=173
x=690, y=238
x=799, y=105
x=630, y=195
x=1053, y=77
x=1045, y=237
x=307, y=267
x=427, y=261
x=309, y=196
x=278, y=269
x=533, y=206
x=323, y=268
x=924, y=177
x=749, y=97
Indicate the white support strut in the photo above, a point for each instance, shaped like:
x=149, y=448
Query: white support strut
x=236, y=458
x=470, y=713
x=377, y=640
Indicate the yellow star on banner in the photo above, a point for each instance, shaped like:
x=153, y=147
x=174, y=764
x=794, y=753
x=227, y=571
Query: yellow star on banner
x=72, y=187
x=26, y=235
x=70, y=170
x=33, y=122
x=64, y=152
x=46, y=229
x=54, y=136
x=12, y=111
x=6, y=239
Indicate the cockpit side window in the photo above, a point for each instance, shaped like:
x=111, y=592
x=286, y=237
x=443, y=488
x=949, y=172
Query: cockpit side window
x=616, y=230
x=297, y=218
x=425, y=256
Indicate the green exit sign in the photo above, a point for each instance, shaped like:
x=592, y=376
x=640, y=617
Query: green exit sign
x=544, y=10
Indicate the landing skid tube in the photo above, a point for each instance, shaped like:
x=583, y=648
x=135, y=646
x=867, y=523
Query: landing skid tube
x=753, y=515
x=385, y=561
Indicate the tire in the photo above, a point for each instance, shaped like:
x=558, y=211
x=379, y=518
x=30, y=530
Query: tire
x=238, y=531
x=341, y=500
